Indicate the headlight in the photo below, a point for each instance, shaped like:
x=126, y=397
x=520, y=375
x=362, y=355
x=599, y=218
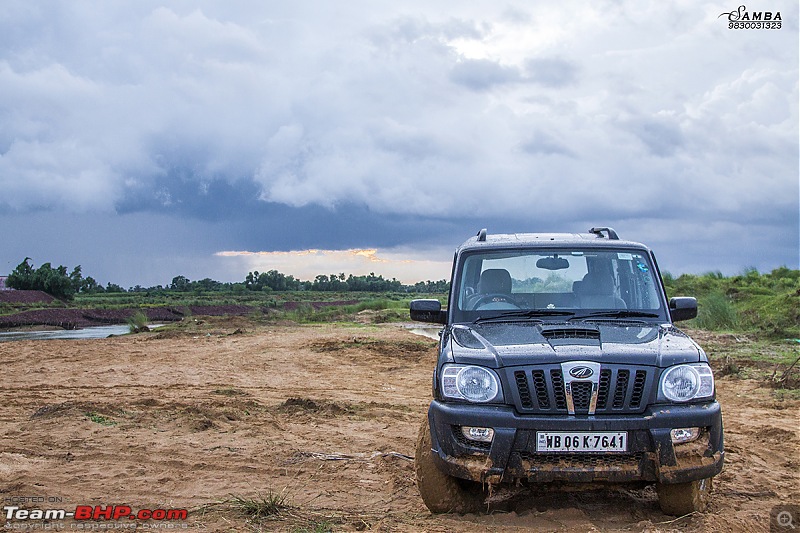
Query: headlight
x=472, y=383
x=683, y=383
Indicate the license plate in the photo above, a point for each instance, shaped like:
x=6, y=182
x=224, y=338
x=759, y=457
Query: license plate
x=581, y=441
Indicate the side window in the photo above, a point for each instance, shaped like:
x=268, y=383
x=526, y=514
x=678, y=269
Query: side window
x=646, y=284
x=637, y=285
x=469, y=282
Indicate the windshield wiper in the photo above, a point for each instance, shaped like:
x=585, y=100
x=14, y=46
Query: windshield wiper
x=532, y=313
x=620, y=313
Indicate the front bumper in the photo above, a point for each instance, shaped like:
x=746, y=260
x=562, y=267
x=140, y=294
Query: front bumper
x=512, y=455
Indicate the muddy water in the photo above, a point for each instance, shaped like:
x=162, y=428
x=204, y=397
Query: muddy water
x=431, y=332
x=96, y=332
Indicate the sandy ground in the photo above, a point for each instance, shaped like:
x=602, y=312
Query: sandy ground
x=325, y=416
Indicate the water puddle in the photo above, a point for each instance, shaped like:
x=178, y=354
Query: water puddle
x=431, y=332
x=95, y=332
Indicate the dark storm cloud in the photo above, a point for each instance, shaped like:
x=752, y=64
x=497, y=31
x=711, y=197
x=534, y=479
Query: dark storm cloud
x=284, y=126
x=180, y=194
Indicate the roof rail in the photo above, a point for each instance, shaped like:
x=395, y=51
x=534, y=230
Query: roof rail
x=482, y=235
x=611, y=234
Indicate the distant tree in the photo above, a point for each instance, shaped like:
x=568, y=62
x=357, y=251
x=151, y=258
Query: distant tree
x=76, y=278
x=208, y=284
x=181, y=284
x=90, y=286
x=53, y=281
x=272, y=280
x=113, y=287
x=22, y=276
x=430, y=287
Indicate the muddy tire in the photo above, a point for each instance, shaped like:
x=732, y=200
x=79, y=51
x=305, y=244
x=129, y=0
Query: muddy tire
x=683, y=498
x=443, y=493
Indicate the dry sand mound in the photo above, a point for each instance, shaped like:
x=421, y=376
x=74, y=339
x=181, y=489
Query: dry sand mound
x=324, y=415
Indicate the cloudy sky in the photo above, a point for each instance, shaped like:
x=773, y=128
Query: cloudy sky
x=149, y=139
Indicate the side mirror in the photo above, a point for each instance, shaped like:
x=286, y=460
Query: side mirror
x=682, y=308
x=428, y=311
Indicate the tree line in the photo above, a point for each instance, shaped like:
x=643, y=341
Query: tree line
x=61, y=283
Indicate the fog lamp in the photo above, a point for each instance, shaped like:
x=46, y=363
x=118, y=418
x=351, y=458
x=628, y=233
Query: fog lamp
x=683, y=435
x=478, y=434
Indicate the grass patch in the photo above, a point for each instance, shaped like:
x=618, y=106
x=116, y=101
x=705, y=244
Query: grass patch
x=717, y=313
x=774, y=362
x=764, y=304
x=786, y=394
x=386, y=309
x=269, y=505
x=100, y=419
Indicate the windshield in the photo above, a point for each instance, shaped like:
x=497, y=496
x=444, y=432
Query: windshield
x=563, y=283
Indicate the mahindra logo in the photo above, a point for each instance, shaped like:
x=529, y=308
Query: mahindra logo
x=581, y=372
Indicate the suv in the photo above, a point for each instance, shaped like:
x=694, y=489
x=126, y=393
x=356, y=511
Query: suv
x=559, y=363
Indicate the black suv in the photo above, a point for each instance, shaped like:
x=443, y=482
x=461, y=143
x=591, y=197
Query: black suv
x=559, y=363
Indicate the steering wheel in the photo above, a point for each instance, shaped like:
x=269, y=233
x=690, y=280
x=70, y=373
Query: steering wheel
x=485, y=299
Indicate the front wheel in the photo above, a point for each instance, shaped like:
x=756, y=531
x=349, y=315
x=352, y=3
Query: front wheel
x=441, y=492
x=684, y=498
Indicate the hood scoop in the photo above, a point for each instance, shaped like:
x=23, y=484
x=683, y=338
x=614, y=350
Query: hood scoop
x=563, y=336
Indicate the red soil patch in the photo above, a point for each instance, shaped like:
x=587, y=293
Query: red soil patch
x=25, y=297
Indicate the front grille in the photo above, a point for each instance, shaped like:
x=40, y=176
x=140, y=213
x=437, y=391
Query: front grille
x=620, y=389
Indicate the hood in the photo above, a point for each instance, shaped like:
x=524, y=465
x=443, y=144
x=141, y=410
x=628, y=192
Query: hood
x=503, y=344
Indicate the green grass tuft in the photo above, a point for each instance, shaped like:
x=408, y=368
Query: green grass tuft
x=138, y=322
x=100, y=419
x=260, y=506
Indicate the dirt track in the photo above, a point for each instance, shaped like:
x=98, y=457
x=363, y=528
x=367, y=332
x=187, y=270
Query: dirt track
x=321, y=414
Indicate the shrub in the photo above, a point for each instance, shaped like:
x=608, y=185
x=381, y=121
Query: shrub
x=717, y=312
x=138, y=322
